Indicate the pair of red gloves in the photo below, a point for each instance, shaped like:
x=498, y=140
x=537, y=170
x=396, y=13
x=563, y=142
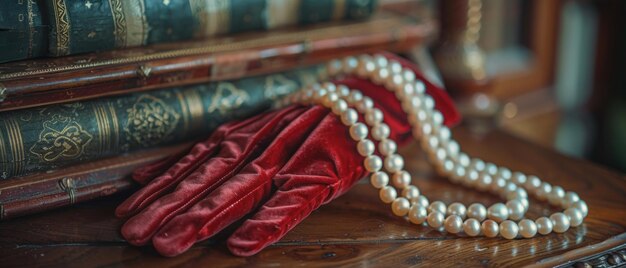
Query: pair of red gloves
x=281, y=165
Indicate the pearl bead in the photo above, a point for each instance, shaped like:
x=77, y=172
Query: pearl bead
x=380, y=76
x=400, y=206
x=421, y=201
x=365, y=104
x=477, y=211
x=412, y=105
x=453, y=148
x=373, y=117
x=471, y=227
x=519, y=178
x=405, y=91
x=429, y=103
x=532, y=183
x=575, y=216
x=437, y=118
x=379, y=179
x=417, y=214
x=582, y=206
x=334, y=67
x=519, y=193
x=544, y=225
x=411, y=192
x=350, y=64
x=329, y=99
x=435, y=219
x=331, y=87
x=394, y=163
x=420, y=87
x=477, y=164
x=484, y=181
x=459, y=173
x=437, y=206
x=458, y=209
x=387, y=194
x=380, y=131
x=395, y=66
x=509, y=229
x=560, y=222
x=373, y=163
x=381, y=61
x=358, y=131
x=401, y=179
x=355, y=97
x=394, y=82
x=556, y=195
x=569, y=199
x=340, y=107
x=408, y=75
x=343, y=91
x=365, y=147
x=498, y=185
x=516, y=209
x=504, y=173
x=387, y=147
x=498, y=212
x=464, y=160
x=490, y=228
x=471, y=177
x=349, y=117
x=491, y=169
x=365, y=67
x=543, y=191
x=453, y=224
x=445, y=134
x=527, y=228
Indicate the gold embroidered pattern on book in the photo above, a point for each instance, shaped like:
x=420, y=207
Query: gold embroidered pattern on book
x=61, y=138
x=116, y=126
x=278, y=85
x=119, y=22
x=339, y=9
x=16, y=143
x=136, y=22
x=212, y=16
x=62, y=28
x=4, y=162
x=151, y=121
x=3, y=92
x=31, y=26
x=366, y=27
x=104, y=129
x=226, y=98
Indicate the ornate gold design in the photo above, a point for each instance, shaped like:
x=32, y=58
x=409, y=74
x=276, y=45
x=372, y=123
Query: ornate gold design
x=136, y=23
x=104, y=129
x=119, y=22
x=277, y=86
x=226, y=98
x=3, y=158
x=16, y=143
x=62, y=28
x=151, y=121
x=213, y=16
x=144, y=71
x=68, y=186
x=184, y=107
x=365, y=27
x=61, y=138
x=31, y=27
x=115, y=126
x=3, y=92
x=282, y=13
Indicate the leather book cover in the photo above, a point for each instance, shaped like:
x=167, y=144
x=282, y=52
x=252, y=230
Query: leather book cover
x=46, y=81
x=75, y=184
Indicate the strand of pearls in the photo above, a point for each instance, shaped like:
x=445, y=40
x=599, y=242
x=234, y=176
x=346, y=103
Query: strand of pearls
x=504, y=219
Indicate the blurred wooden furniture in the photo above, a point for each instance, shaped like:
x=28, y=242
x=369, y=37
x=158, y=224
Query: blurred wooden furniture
x=356, y=229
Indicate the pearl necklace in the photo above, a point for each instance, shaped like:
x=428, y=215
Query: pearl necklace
x=504, y=219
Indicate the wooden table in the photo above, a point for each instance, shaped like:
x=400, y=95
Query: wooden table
x=357, y=229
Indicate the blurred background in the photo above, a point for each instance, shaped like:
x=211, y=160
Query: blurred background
x=549, y=71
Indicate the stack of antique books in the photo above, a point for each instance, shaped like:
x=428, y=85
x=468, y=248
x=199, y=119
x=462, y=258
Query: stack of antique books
x=92, y=89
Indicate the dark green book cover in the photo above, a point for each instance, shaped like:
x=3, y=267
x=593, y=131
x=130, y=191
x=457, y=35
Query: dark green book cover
x=22, y=33
x=49, y=137
x=79, y=26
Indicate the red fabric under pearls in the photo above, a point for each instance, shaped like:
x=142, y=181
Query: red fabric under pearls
x=281, y=165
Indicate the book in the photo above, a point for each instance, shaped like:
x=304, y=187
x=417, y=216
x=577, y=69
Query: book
x=54, y=136
x=46, y=81
x=22, y=33
x=78, y=183
x=80, y=26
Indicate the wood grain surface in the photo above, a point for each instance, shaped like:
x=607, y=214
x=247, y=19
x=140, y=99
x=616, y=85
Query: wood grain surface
x=357, y=229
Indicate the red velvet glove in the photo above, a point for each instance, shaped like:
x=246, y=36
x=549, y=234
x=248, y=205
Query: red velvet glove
x=282, y=164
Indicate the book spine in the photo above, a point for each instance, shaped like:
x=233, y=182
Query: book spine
x=85, y=26
x=59, y=135
x=22, y=34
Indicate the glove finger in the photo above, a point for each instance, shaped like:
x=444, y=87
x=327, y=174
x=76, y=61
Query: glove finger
x=324, y=167
x=279, y=215
x=235, y=151
x=238, y=196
